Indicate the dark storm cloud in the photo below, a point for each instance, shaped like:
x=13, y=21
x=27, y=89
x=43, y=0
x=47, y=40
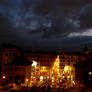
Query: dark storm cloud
x=29, y=22
x=5, y=27
x=86, y=16
x=6, y=34
x=50, y=17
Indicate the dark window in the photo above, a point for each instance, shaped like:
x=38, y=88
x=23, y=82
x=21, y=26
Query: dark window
x=71, y=56
x=10, y=69
x=14, y=54
x=10, y=77
x=23, y=79
x=15, y=69
x=63, y=57
x=6, y=61
x=4, y=71
x=68, y=63
x=6, y=54
x=62, y=64
x=71, y=60
x=10, y=54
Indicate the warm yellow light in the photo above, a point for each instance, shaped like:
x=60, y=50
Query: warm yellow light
x=43, y=68
x=47, y=77
x=63, y=76
x=58, y=56
x=66, y=68
x=52, y=72
x=4, y=77
x=27, y=80
x=34, y=63
x=68, y=77
x=57, y=70
x=90, y=73
x=73, y=82
x=63, y=72
x=41, y=78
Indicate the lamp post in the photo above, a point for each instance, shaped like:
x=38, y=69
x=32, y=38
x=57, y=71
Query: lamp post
x=4, y=76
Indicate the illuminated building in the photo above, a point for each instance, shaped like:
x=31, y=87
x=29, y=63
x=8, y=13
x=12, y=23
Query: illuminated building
x=44, y=75
x=56, y=70
x=63, y=77
x=35, y=74
x=44, y=59
x=46, y=69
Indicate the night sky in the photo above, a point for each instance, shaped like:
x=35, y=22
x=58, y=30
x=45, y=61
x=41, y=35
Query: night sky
x=46, y=25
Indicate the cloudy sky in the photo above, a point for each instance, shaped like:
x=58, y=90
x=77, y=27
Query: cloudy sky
x=46, y=24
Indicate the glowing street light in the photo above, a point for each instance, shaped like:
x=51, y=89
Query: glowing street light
x=90, y=73
x=27, y=80
x=34, y=63
x=43, y=68
x=67, y=68
x=41, y=78
x=4, y=77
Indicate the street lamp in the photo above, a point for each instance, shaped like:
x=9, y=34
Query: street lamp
x=67, y=68
x=34, y=63
x=4, y=77
x=90, y=73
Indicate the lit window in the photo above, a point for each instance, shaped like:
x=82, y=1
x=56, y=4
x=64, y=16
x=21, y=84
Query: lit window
x=27, y=80
x=63, y=76
x=4, y=77
x=90, y=73
x=47, y=77
x=44, y=77
x=41, y=78
x=34, y=63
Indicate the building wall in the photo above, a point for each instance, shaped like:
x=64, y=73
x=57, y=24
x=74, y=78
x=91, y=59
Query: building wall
x=43, y=59
x=15, y=73
x=7, y=55
x=28, y=76
x=48, y=60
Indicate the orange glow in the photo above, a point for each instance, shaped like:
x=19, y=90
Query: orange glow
x=90, y=73
x=67, y=68
x=4, y=77
x=43, y=69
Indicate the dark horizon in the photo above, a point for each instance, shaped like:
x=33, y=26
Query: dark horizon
x=57, y=51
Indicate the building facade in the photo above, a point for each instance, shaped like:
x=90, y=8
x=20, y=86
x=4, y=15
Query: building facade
x=56, y=70
x=7, y=55
x=18, y=71
x=47, y=69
